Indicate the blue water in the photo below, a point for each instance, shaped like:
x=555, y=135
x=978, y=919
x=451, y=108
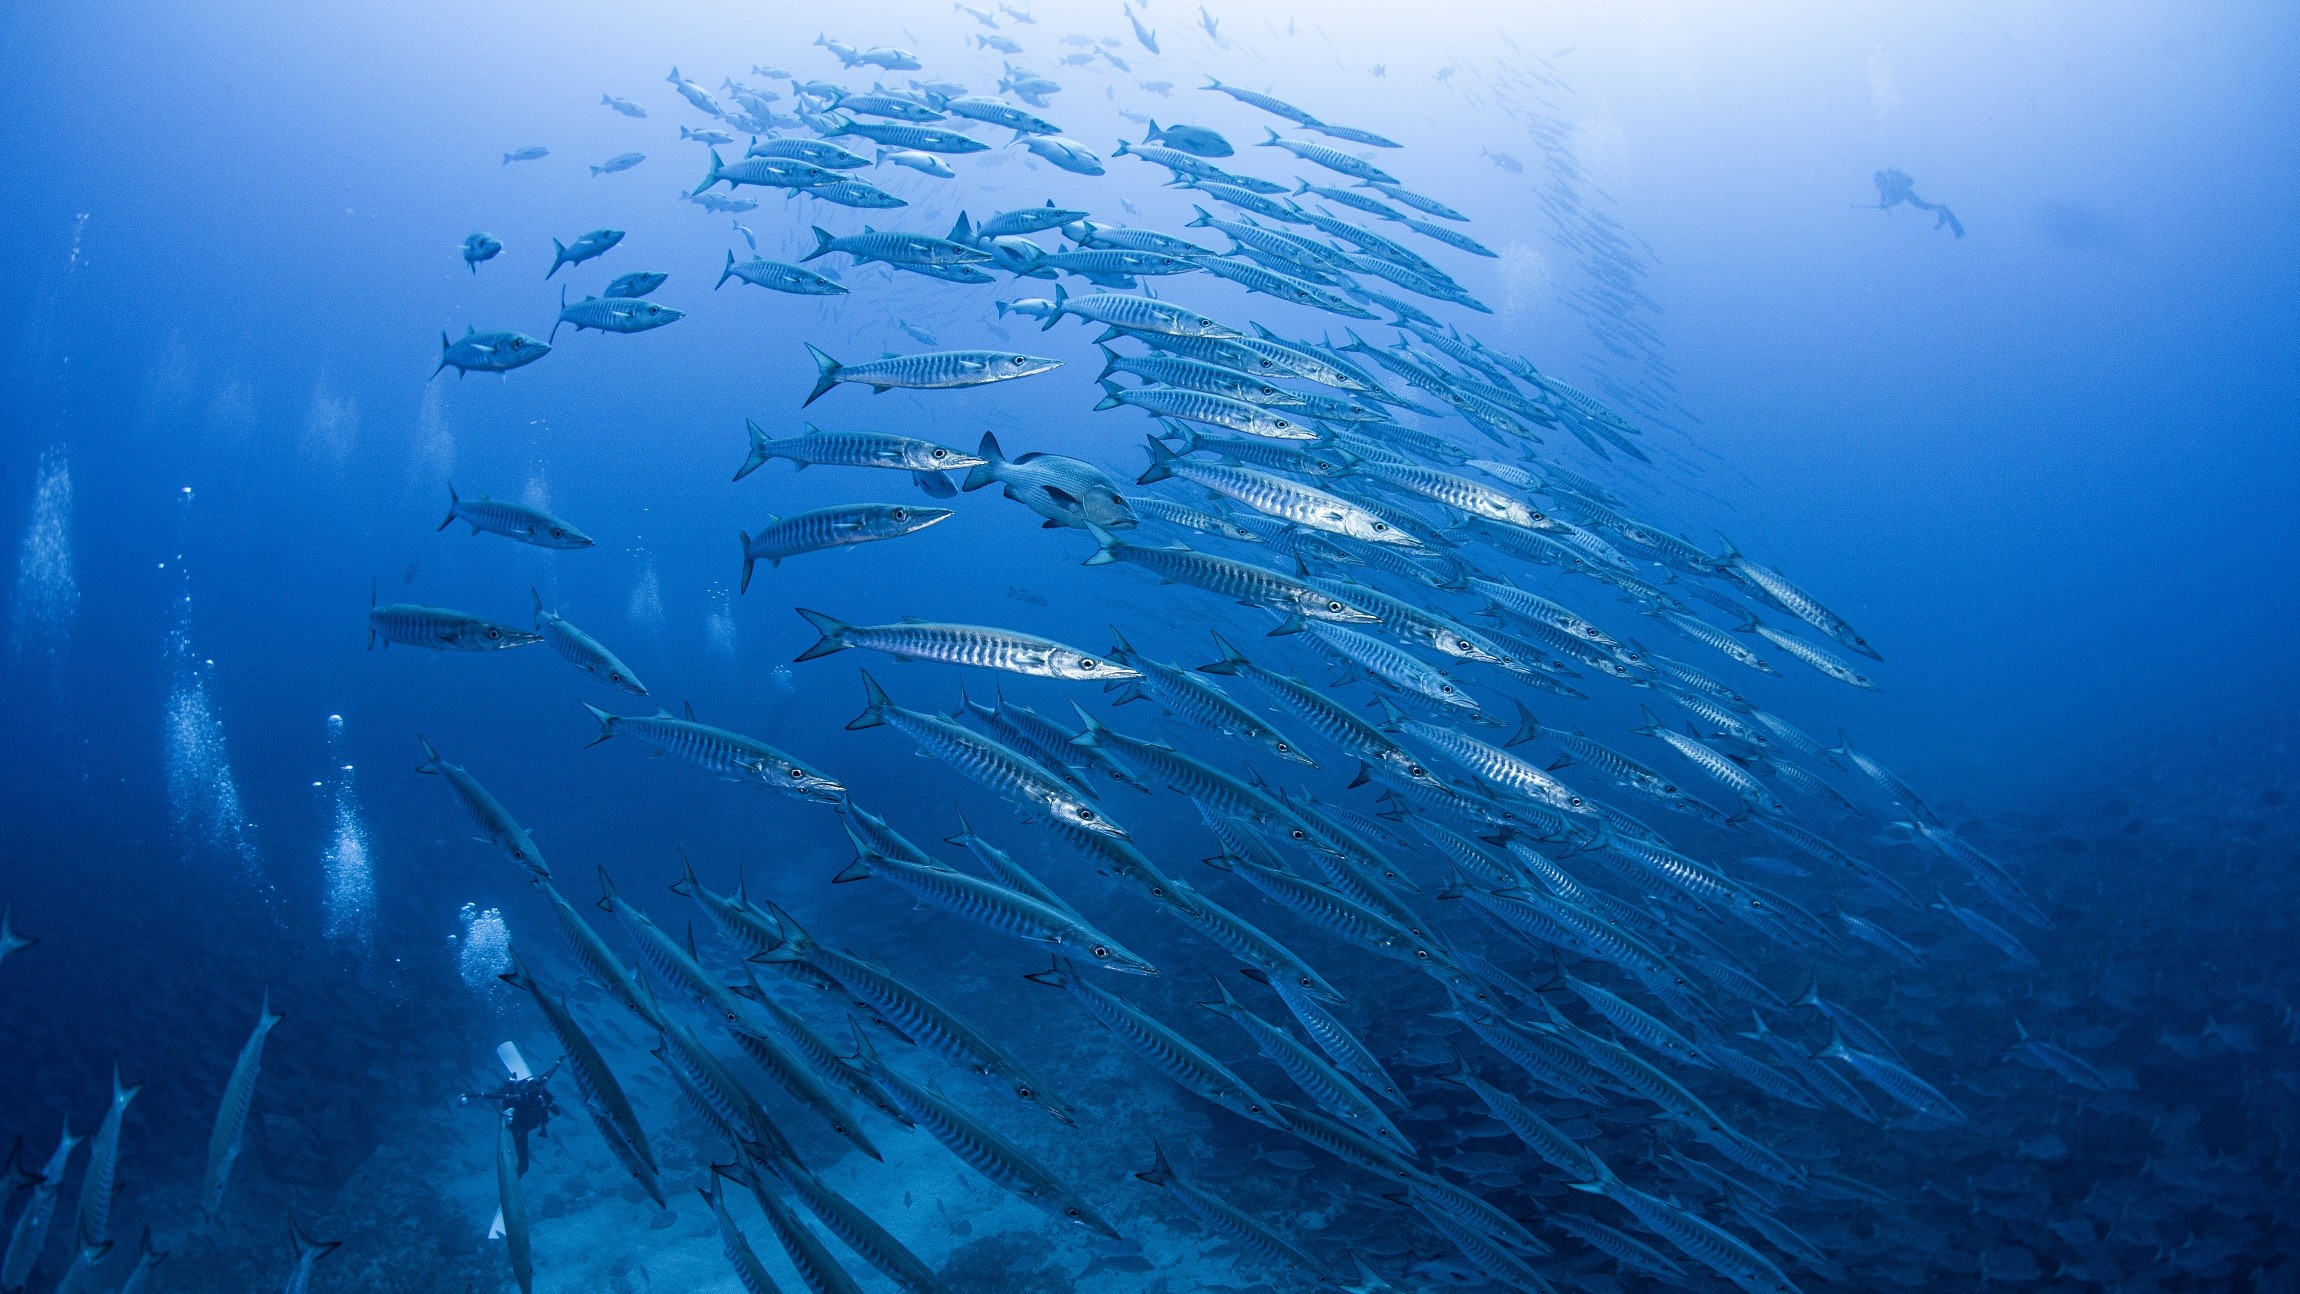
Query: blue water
x=2046, y=467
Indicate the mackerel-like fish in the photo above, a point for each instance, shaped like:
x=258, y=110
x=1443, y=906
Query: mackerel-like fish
x=731, y=755
x=1391, y=665
x=513, y=1203
x=838, y=526
x=1199, y=701
x=1137, y=314
x=583, y=651
x=1166, y=1049
x=1814, y=656
x=780, y=276
x=487, y=813
x=1234, y=1224
x=929, y=371
x=915, y=1016
x=994, y=906
x=613, y=314
x=1005, y=771
x=1474, y=497
x=1276, y=496
x=512, y=521
x=981, y=1148
x=603, y=1096
x=232, y=1114
x=1238, y=581
x=438, y=628
x=1327, y=717
x=1214, y=410
x=102, y=1173
x=1794, y=600
x=1333, y=1092
x=851, y=449
x=955, y=644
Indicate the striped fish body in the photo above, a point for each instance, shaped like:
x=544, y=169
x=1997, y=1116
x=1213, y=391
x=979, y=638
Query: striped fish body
x=1236, y=355
x=1797, y=602
x=1141, y=314
x=1538, y=1134
x=977, y=645
x=1815, y=657
x=1198, y=375
x=1709, y=635
x=1463, y=493
x=942, y=370
x=593, y=1078
x=1333, y=159
x=1548, y=1060
x=1720, y=719
x=1342, y=1047
x=1515, y=603
x=853, y=449
x=1235, y=580
x=899, y=249
x=598, y=960
x=1315, y=1076
x=231, y=1116
x=1325, y=907
x=1235, y=1225
x=440, y=629
x=926, y=139
x=999, y=768
x=1255, y=278
x=1249, y=944
x=618, y=314
x=1639, y=1024
x=730, y=755
x=984, y=1150
x=1213, y=410
x=1498, y=767
x=1042, y=740
x=726, y=1103
x=1329, y=719
x=989, y=904
x=781, y=276
x=1399, y=669
x=513, y=1203
x=749, y=1271
x=1164, y=1048
x=586, y=653
x=852, y=1226
x=1183, y=517
x=513, y=521
x=1701, y=1240
x=1277, y=496
x=488, y=814
x=1201, y=703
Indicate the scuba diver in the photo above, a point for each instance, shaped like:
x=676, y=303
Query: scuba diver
x=1894, y=187
x=524, y=1099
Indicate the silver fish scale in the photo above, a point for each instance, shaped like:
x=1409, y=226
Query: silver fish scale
x=1169, y=1052
x=960, y=645
x=1249, y=944
x=1008, y=772
x=1275, y=496
x=1549, y=1061
x=912, y=1015
x=1321, y=1081
x=1639, y=1024
x=932, y=370
x=1340, y=1045
x=437, y=627
x=1710, y=1245
x=1537, y=1133
x=1709, y=635
x=1675, y=868
x=1389, y=664
x=1199, y=781
x=1204, y=704
x=855, y=449
x=1514, y=601
x=1240, y=356
x=1238, y=581
x=1724, y=721
x=713, y=749
x=810, y=532
x=1331, y=720
x=1122, y=311
x=1499, y=767
x=1039, y=740
x=1796, y=601
x=1216, y=411
x=1338, y=913
x=1192, y=519
x=1724, y=770
x=981, y=1149
x=1215, y=379
x=1621, y=768
x=998, y=908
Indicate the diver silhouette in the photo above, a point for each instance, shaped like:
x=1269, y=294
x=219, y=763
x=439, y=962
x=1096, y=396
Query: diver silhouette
x=1895, y=187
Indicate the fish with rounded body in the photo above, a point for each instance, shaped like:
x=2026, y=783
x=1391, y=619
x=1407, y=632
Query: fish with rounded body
x=531, y=153
x=480, y=247
x=619, y=162
x=1066, y=491
x=636, y=284
x=498, y=350
x=1063, y=153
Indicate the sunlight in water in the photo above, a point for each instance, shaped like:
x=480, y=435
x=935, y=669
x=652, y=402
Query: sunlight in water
x=47, y=594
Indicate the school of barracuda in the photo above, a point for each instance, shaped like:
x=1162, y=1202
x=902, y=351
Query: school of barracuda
x=1537, y=997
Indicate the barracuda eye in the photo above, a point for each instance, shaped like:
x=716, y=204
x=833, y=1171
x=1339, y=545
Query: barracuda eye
x=1381, y=527
x=1446, y=688
x=1417, y=770
x=1086, y=663
x=1027, y=1094
x=1073, y=1212
x=901, y=514
x=494, y=633
x=938, y=453
x=1285, y=749
x=1086, y=815
x=1022, y=359
x=1334, y=607
x=798, y=774
x=1101, y=951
